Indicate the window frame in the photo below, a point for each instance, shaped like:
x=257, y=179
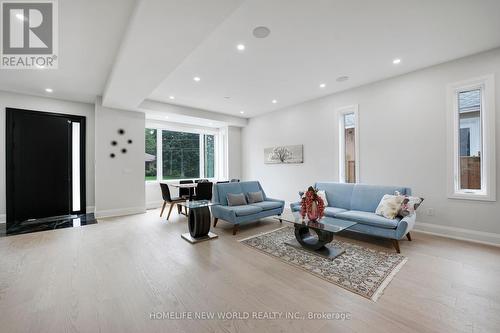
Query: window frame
x=341, y=112
x=159, y=127
x=487, y=118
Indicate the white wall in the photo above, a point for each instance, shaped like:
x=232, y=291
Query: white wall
x=402, y=142
x=22, y=101
x=119, y=181
x=234, y=152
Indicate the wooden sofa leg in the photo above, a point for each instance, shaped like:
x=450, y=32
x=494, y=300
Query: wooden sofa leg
x=395, y=243
x=215, y=221
x=279, y=218
x=235, y=229
x=408, y=236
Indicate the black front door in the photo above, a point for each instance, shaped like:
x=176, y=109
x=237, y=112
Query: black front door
x=39, y=165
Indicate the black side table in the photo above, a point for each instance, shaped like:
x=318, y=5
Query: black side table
x=199, y=219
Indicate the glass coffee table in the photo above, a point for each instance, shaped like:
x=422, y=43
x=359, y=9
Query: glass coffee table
x=314, y=235
x=198, y=221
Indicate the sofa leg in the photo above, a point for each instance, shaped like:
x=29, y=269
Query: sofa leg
x=408, y=236
x=235, y=229
x=281, y=221
x=395, y=243
x=215, y=221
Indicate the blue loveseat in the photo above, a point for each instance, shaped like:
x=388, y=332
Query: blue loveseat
x=244, y=213
x=358, y=202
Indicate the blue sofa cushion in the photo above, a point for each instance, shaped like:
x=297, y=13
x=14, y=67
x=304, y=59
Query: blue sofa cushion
x=369, y=219
x=222, y=191
x=268, y=205
x=333, y=211
x=337, y=194
x=245, y=210
x=367, y=197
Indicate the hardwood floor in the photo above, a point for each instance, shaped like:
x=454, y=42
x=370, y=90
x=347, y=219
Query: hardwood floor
x=110, y=276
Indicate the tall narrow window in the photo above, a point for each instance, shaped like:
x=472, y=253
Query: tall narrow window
x=470, y=139
x=151, y=154
x=209, y=155
x=348, y=144
x=471, y=136
x=75, y=152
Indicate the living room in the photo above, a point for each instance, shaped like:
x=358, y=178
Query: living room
x=249, y=166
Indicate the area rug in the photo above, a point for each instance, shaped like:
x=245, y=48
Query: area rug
x=361, y=270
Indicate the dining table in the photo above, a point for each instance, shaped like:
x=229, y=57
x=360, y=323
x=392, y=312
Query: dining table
x=190, y=186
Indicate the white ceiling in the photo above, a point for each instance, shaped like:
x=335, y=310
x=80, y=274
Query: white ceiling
x=130, y=51
x=316, y=41
x=90, y=33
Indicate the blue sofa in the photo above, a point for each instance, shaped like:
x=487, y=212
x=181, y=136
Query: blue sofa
x=358, y=202
x=244, y=213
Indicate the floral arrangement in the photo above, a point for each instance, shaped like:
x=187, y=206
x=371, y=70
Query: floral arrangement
x=312, y=205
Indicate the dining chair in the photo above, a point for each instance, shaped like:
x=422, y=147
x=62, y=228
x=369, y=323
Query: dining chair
x=204, y=191
x=167, y=198
x=185, y=192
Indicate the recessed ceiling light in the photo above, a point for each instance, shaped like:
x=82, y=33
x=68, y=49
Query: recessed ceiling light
x=274, y=101
x=242, y=111
x=322, y=85
x=49, y=90
x=342, y=78
x=171, y=97
x=396, y=61
x=196, y=78
x=166, y=117
x=240, y=47
x=261, y=32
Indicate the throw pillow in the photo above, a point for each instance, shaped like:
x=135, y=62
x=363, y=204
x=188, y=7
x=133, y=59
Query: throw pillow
x=390, y=206
x=322, y=195
x=410, y=205
x=236, y=199
x=254, y=197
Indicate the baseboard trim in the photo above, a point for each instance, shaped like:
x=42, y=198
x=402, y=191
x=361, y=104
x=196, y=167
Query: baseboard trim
x=3, y=218
x=119, y=212
x=90, y=209
x=480, y=237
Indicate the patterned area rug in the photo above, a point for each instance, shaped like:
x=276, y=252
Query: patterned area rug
x=361, y=270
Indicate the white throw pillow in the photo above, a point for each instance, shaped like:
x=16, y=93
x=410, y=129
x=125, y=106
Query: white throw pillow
x=322, y=195
x=389, y=206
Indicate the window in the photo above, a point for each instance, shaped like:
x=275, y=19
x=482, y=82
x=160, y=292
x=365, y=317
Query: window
x=151, y=156
x=209, y=163
x=348, y=144
x=471, y=139
x=181, y=155
x=174, y=154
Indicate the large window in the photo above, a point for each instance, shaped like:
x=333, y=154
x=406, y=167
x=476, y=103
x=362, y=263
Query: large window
x=179, y=155
x=348, y=144
x=471, y=137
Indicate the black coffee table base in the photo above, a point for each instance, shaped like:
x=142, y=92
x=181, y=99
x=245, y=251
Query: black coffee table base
x=199, y=225
x=306, y=241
